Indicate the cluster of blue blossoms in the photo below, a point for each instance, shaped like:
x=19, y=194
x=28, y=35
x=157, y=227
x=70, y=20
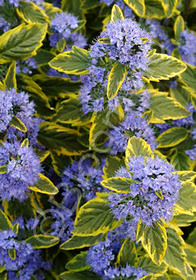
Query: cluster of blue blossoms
x=133, y=124
x=101, y=258
x=22, y=169
x=63, y=27
x=185, y=44
x=15, y=3
x=26, y=260
x=63, y=212
x=129, y=45
x=15, y=104
x=85, y=174
x=154, y=187
x=152, y=194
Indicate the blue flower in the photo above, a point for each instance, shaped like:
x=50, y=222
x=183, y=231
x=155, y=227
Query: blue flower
x=4, y=25
x=22, y=170
x=101, y=258
x=187, y=47
x=15, y=3
x=124, y=273
x=63, y=212
x=63, y=26
x=126, y=9
x=152, y=195
x=27, y=260
x=26, y=66
x=14, y=104
x=133, y=124
x=127, y=46
x=86, y=175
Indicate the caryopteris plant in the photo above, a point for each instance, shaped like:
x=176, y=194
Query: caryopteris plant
x=97, y=140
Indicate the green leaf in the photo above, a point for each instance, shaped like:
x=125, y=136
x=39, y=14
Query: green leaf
x=5, y=223
x=178, y=27
x=187, y=196
x=186, y=175
x=137, y=6
x=191, y=254
x=185, y=220
x=83, y=275
x=3, y=276
x=154, y=9
x=147, y=265
x=44, y=185
x=112, y=165
x=41, y=101
x=78, y=242
x=74, y=62
x=118, y=184
x=182, y=94
x=69, y=111
x=115, y=79
x=175, y=255
x=25, y=143
x=154, y=241
x=181, y=161
x=10, y=79
x=101, y=123
x=57, y=86
x=73, y=7
x=43, y=57
x=2, y=268
x=32, y=13
x=62, y=140
x=116, y=14
x=172, y=137
x=17, y=123
x=42, y=241
x=78, y=263
x=51, y=10
x=189, y=76
x=21, y=42
x=165, y=108
x=12, y=254
x=163, y=67
x=60, y=46
x=137, y=147
x=127, y=253
x=169, y=6
x=95, y=217
x=3, y=169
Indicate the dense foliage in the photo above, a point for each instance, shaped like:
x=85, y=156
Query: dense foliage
x=97, y=140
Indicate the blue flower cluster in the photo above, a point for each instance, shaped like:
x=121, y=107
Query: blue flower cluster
x=17, y=104
x=85, y=174
x=101, y=258
x=63, y=213
x=133, y=124
x=126, y=9
x=23, y=167
x=4, y=25
x=26, y=262
x=15, y=3
x=63, y=27
x=127, y=46
x=187, y=47
x=26, y=66
x=152, y=195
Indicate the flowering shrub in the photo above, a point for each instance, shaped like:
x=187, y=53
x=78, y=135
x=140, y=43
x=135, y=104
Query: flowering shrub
x=97, y=140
